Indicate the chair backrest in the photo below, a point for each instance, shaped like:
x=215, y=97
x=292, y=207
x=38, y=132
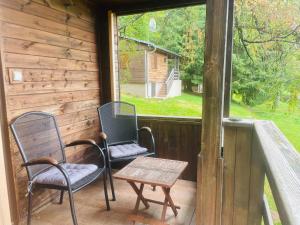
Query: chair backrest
x=119, y=122
x=37, y=136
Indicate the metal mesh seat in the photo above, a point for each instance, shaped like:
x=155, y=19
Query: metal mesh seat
x=118, y=121
x=42, y=150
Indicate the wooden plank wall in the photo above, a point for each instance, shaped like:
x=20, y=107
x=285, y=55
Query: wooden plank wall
x=54, y=47
x=176, y=138
x=243, y=176
x=135, y=73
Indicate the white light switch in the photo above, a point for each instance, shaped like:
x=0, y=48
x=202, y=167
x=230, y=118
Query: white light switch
x=17, y=75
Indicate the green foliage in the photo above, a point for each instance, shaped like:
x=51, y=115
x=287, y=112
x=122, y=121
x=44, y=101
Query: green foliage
x=266, y=53
x=265, y=41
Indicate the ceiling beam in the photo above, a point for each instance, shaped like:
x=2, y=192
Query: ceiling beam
x=133, y=7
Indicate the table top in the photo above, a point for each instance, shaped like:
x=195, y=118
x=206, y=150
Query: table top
x=153, y=171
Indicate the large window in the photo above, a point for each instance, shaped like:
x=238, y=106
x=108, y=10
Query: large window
x=161, y=61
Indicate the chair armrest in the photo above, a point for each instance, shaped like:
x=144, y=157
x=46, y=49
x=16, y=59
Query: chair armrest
x=82, y=142
x=148, y=130
x=43, y=160
x=103, y=136
x=88, y=142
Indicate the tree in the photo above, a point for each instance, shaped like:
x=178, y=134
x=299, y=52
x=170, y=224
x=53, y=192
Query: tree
x=267, y=34
x=265, y=54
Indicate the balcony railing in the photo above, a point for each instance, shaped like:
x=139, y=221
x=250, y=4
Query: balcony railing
x=253, y=150
x=282, y=167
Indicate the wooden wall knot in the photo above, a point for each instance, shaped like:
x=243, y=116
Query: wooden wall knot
x=68, y=17
x=28, y=44
x=27, y=2
x=47, y=3
x=89, y=123
x=68, y=53
x=68, y=3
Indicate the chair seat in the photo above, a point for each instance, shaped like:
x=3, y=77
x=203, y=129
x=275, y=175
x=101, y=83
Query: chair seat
x=125, y=150
x=76, y=172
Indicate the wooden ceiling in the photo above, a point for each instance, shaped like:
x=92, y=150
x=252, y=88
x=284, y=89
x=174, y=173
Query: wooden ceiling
x=135, y=6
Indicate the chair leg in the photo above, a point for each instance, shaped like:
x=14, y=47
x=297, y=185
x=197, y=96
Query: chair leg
x=105, y=192
x=61, y=199
x=111, y=182
x=29, y=208
x=72, y=207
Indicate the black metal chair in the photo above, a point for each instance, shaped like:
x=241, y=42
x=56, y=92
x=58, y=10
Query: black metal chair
x=120, y=135
x=41, y=147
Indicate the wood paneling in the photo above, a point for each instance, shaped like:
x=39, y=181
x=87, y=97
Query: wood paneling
x=5, y=216
x=55, y=49
x=157, y=67
x=135, y=70
x=175, y=139
x=243, y=175
x=281, y=162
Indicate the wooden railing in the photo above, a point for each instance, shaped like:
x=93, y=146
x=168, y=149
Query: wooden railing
x=253, y=151
x=282, y=167
x=176, y=138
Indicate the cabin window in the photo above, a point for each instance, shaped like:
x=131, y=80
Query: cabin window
x=154, y=62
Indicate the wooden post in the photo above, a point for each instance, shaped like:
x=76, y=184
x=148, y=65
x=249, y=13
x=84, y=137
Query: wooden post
x=228, y=64
x=8, y=198
x=210, y=170
x=112, y=56
x=5, y=218
x=102, y=32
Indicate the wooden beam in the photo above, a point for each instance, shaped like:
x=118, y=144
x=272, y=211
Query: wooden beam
x=209, y=200
x=5, y=218
x=147, y=6
x=228, y=64
x=7, y=197
x=102, y=40
x=111, y=31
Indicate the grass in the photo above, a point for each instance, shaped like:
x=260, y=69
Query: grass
x=191, y=105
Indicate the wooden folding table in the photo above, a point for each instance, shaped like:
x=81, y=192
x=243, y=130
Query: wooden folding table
x=156, y=172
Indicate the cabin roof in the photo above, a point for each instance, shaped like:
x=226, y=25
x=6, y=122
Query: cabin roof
x=152, y=45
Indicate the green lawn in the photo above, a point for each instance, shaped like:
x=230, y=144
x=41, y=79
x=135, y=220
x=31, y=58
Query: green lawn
x=191, y=105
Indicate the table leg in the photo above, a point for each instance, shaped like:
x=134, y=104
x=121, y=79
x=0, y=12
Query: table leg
x=167, y=194
x=163, y=215
x=139, y=192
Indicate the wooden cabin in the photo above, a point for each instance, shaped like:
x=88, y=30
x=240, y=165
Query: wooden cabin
x=60, y=56
x=147, y=70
